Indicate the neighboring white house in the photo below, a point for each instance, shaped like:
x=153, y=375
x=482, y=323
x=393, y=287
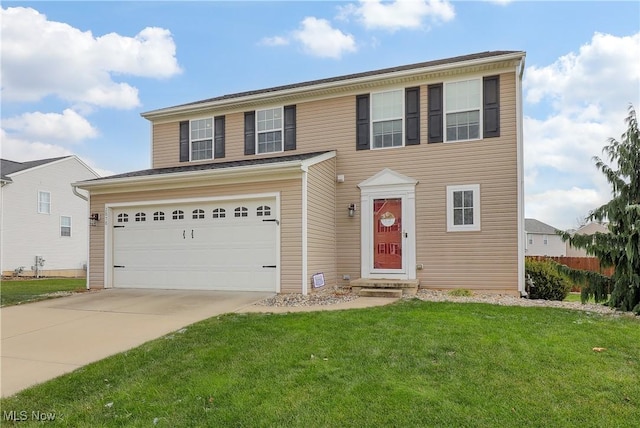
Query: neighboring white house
x=542, y=240
x=41, y=216
x=587, y=229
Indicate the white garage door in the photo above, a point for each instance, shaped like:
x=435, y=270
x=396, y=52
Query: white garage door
x=228, y=245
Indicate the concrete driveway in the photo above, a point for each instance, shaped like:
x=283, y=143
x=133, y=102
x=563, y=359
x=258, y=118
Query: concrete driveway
x=46, y=339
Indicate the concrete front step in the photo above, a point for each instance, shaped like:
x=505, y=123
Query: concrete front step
x=380, y=292
x=407, y=287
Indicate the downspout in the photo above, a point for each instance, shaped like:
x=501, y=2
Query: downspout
x=305, y=174
x=86, y=198
x=520, y=178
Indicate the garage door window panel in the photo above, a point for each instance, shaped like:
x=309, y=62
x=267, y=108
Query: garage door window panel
x=198, y=214
x=123, y=218
x=263, y=211
x=158, y=216
x=141, y=217
x=178, y=215
x=241, y=212
x=219, y=213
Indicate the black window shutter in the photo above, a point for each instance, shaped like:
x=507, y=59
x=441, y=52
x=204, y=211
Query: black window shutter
x=362, y=122
x=435, y=113
x=184, y=141
x=412, y=113
x=250, y=133
x=491, y=105
x=218, y=137
x=289, y=128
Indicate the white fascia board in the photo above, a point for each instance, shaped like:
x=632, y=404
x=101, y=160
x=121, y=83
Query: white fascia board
x=280, y=168
x=65, y=159
x=317, y=159
x=327, y=86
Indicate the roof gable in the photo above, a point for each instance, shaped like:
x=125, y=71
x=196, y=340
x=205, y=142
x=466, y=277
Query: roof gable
x=531, y=225
x=9, y=167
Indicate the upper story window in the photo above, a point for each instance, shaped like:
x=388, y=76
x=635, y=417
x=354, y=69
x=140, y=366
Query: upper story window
x=462, y=104
x=530, y=239
x=65, y=225
x=545, y=240
x=463, y=208
x=386, y=119
x=269, y=130
x=201, y=138
x=44, y=202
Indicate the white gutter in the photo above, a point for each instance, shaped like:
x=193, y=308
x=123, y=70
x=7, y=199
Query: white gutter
x=185, y=176
x=305, y=232
x=520, y=179
x=302, y=89
x=74, y=188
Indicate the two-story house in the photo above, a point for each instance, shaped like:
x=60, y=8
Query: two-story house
x=542, y=239
x=411, y=173
x=43, y=223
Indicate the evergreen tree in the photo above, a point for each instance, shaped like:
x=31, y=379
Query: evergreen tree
x=621, y=246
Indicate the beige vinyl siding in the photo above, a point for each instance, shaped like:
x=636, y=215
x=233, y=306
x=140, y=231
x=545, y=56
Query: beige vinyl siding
x=321, y=221
x=485, y=260
x=290, y=223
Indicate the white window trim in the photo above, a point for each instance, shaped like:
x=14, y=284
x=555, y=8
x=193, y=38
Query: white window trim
x=444, y=109
x=213, y=136
x=545, y=240
x=476, y=208
x=38, y=202
x=70, y=226
x=530, y=240
x=281, y=129
x=402, y=118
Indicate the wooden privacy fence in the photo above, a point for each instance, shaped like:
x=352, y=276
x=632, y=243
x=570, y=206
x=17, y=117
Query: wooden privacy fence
x=583, y=263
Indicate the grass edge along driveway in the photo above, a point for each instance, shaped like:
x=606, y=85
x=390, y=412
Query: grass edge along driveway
x=412, y=363
x=19, y=291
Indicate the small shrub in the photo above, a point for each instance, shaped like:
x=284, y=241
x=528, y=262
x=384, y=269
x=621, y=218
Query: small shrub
x=548, y=283
x=460, y=292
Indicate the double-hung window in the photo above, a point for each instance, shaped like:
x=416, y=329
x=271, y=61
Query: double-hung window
x=463, y=208
x=201, y=139
x=463, y=101
x=65, y=225
x=269, y=125
x=44, y=202
x=387, y=118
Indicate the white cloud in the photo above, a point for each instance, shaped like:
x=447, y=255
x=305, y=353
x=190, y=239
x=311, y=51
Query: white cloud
x=67, y=127
x=400, y=14
x=274, y=41
x=42, y=58
x=319, y=39
x=587, y=93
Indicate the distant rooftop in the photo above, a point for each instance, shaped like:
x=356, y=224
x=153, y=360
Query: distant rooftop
x=8, y=167
x=531, y=225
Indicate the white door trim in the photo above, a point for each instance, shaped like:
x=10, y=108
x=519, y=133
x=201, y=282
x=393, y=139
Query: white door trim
x=388, y=184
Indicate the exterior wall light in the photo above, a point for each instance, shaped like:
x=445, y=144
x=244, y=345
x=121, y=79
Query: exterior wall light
x=352, y=209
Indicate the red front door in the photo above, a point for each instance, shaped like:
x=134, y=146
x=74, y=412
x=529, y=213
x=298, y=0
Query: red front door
x=387, y=233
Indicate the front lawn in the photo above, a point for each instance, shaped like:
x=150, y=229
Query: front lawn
x=16, y=291
x=412, y=363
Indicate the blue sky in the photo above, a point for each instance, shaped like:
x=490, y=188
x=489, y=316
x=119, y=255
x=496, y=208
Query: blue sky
x=76, y=75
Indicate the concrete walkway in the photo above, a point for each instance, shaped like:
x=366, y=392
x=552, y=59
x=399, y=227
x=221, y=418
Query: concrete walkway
x=43, y=340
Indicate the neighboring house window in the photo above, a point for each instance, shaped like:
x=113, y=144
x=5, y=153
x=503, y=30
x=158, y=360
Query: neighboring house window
x=198, y=214
x=462, y=105
x=241, y=212
x=545, y=239
x=123, y=218
x=158, y=216
x=65, y=225
x=219, y=213
x=263, y=210
x=386, y=119
x=201, y=139
x=44, y=202
x=530, y=239
x=178, y=215
x=141, y=217
x=269, y=130
x=463, y=208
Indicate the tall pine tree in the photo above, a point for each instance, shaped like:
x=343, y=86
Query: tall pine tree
x=621, y=246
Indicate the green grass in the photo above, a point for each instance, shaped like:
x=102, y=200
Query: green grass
x=14, y=292
x=410, y=364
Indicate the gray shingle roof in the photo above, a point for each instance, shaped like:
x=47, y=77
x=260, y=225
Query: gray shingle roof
x=434, y=63
x=210, y=166
x=532, y=225
x=8, y=167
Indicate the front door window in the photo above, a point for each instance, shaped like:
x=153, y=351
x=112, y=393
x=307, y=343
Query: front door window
x=387, y=233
